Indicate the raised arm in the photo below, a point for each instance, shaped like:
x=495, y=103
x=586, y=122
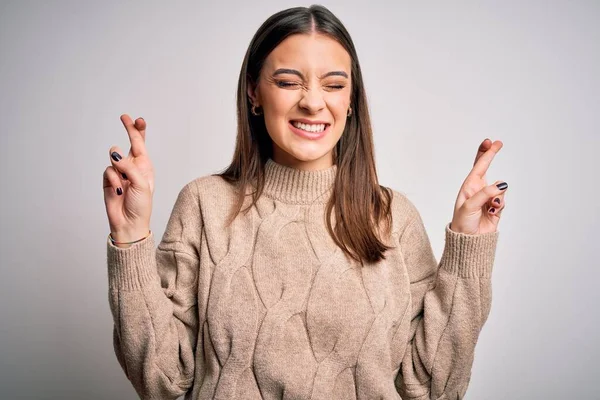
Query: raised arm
x=153, y=300
x=450, y=304
x=152, y=291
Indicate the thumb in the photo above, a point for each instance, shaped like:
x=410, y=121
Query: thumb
x=482, y=197
x=125, y=165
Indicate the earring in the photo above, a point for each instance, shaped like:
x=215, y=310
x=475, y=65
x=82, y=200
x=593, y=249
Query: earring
x=253, y=110
x=349, y=111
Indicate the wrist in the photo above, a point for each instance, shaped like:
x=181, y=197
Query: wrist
x=126, y=239
x=454, y=227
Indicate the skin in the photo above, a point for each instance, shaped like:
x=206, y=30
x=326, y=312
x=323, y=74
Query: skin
x=129, y=212
x=314, y=96
x=478, y=205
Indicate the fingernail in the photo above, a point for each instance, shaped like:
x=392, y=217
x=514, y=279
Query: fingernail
x=115, y=156
x=502, y=185
x=497, y=200
x=125, y=177
x=119, y=191
x=492, y=209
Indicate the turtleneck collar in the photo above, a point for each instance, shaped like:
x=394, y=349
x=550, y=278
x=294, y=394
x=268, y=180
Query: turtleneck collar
x=296, y=186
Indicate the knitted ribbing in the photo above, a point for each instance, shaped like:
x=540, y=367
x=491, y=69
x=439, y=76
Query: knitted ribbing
x=296, y=186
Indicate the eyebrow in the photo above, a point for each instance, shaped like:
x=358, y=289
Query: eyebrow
x=296, y=72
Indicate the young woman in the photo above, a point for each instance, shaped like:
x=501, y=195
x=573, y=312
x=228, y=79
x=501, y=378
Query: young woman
x=294, y=274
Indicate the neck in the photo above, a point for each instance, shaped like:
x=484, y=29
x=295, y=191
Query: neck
x=283, y=158
x=298, y=186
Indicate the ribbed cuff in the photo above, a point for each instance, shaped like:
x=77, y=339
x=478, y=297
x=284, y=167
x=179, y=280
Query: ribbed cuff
x=469, y=256
x=133, y=267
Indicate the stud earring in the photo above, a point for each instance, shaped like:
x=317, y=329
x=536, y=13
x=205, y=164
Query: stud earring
x=349, y=111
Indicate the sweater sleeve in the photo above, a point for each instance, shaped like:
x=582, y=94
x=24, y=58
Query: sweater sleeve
x=450, y=303
x=153, y=301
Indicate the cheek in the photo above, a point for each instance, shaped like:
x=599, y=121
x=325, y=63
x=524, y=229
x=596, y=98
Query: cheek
x=276, y=112
x=339, y=105
x=279, y=101
x=279, y=108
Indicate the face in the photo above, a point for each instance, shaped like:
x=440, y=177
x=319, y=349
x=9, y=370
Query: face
x=304, y=91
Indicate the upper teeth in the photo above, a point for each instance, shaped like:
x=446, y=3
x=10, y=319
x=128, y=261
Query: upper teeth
x=309, y=127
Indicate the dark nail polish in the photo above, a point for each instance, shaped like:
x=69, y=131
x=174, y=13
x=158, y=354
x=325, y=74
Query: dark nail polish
x=123, y=175
x=502, y=185
x=497, y=200
x=115, y=156
x=492, y=209
x=119, y=191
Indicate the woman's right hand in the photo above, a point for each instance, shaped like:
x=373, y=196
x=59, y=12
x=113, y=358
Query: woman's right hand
x=129, y=212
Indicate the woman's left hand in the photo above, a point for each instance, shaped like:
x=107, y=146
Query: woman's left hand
x=478, y=206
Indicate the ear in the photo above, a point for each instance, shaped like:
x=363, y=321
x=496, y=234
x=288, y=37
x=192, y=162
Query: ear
x=253, y=92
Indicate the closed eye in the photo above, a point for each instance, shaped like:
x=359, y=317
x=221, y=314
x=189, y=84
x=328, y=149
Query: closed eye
x=286, y=84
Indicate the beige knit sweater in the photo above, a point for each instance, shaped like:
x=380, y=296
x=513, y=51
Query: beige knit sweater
x=271, y=308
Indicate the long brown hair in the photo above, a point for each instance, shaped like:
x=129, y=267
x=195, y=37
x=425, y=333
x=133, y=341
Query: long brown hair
x=359, y=202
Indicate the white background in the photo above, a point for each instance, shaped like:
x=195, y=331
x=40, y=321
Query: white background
x=440, y=78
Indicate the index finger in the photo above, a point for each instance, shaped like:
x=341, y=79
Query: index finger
x=140, y=125
x=484, y=160
x=483, y=147
x=138, y=146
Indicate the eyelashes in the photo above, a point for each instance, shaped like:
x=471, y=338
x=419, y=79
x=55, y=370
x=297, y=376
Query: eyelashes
x=286, y=84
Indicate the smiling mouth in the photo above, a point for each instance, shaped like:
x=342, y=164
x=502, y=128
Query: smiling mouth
x=310, y=128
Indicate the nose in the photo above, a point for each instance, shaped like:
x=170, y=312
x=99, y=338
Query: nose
x=312, y=100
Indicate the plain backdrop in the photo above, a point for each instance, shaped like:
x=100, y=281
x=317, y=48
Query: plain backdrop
x=440, y=77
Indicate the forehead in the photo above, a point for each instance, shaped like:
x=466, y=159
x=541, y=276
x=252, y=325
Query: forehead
x=314, y=52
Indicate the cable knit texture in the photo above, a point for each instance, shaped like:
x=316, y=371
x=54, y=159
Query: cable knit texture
x=270, y=308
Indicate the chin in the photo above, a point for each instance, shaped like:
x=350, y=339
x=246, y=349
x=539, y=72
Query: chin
x=307, y=155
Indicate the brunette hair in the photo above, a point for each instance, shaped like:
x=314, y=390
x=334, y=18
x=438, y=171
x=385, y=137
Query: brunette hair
x=359, y=202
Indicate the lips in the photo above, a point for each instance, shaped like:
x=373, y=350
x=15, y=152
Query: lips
x=312, y=128
x=308, y=121
x=309, y=135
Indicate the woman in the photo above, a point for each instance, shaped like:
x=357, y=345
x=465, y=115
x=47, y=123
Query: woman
x=293, y=274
